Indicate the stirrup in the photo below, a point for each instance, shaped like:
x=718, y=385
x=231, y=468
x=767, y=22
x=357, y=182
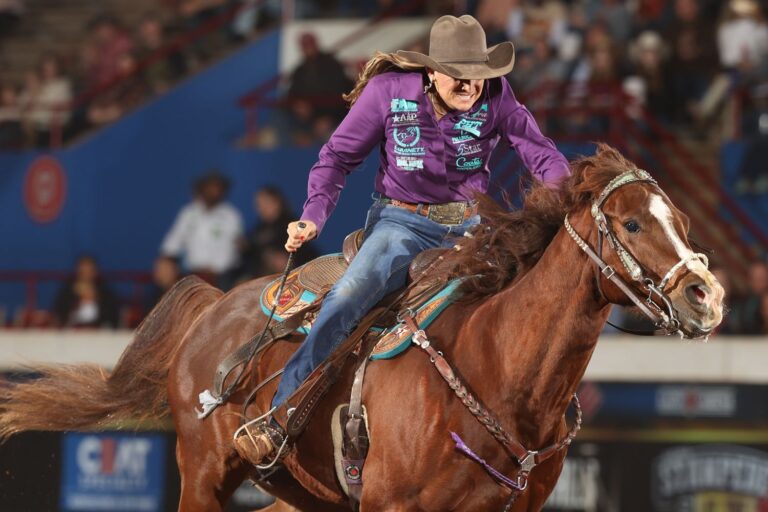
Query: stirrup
x=263, y=428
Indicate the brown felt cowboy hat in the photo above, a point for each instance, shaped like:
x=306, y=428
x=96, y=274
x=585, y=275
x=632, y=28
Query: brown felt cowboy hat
x=457, y=48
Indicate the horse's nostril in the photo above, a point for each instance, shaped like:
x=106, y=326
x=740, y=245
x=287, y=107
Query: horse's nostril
x=697, y=294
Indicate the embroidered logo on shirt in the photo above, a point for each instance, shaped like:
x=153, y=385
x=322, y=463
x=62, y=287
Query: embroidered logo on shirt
x=403, y=105
x=468, y=149
x=407, y=137
x=405, y=119
x=461, y=138
x=468, y=164
x=481, y=113
x=469, y=126
x=409, y=163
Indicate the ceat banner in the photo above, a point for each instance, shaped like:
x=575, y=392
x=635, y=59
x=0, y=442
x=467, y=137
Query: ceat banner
x=113, y=472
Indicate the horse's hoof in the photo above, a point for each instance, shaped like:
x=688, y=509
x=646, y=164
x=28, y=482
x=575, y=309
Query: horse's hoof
x=254, y=447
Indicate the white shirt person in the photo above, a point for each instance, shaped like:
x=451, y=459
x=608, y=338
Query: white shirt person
x=207, y=231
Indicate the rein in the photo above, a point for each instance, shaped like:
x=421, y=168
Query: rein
x=666, y=317
x=525, y=458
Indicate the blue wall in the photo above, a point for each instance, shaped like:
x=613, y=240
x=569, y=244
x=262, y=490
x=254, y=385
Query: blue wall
x=126, y=182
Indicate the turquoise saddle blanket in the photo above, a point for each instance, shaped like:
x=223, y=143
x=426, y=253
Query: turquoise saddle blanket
x=392, y=341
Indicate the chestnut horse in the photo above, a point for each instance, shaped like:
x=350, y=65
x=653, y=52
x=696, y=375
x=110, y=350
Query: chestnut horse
x=521, y=337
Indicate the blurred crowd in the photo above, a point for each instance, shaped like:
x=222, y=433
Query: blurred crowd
x=207, y=238
x=699, y=67
x=116, y=68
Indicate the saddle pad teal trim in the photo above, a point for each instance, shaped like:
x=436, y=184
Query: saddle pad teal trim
x=406, y=342
x=309, y=297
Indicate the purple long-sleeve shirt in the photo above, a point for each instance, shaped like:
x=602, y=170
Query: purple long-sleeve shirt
x=423, y=160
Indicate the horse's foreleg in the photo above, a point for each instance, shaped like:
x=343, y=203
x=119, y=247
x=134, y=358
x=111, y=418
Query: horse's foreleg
x=208, y=479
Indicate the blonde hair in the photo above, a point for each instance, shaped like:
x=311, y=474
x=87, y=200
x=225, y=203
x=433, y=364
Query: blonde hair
x=380, y=63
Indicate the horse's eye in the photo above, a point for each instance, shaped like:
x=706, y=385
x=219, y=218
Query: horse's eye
x=632, y=226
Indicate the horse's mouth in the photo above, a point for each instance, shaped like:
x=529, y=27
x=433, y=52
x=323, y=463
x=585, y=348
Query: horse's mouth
x=696, y=334
x=692, y=329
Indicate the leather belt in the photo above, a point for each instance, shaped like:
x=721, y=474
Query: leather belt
x=443, y=213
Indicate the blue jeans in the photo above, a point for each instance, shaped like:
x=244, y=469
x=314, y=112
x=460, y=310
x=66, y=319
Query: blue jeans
x=394, y=236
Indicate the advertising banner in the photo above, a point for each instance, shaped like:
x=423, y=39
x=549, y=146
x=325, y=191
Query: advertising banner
x=113, y=472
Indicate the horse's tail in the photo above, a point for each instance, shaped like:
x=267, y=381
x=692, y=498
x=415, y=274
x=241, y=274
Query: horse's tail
x=87, y=397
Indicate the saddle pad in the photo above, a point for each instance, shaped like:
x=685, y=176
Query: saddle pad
x=297, y=295
x=395, y=340
x=303, y=286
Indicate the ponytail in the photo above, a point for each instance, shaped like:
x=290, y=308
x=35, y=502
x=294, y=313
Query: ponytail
x=380, y=63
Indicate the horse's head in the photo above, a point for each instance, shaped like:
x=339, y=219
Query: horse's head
x=642, y=237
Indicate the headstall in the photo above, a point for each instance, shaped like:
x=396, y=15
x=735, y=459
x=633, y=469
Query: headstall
x=666, y=317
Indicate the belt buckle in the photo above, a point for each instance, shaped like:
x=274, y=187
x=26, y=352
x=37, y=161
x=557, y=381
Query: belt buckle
x=447, y=213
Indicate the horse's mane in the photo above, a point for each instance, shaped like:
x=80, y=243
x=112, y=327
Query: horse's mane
x=509, y=243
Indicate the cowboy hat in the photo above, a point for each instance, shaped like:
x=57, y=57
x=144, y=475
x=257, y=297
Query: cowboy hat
x=457, y=48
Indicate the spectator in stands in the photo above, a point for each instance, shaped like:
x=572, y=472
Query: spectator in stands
x=501, y=19
x=85, y=300
x=160, y=71
x=747, y=310
x=742, y=37
x=263, y=253
x=165, y=273
x=11, y=132
x=536, y=68
x=314, y=96
x=694, y=61
x=617, y=17
x=11, y=12
x=196, y=14
x=595, y=74
x=571, y=40
x=49, y=102
x=120, y=98
x=110, y=44
x=649, y=83
x=207, y=231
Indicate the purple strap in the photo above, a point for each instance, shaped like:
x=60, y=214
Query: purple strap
x=466, y=450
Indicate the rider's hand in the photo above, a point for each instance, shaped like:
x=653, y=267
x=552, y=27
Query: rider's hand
x=299, y=232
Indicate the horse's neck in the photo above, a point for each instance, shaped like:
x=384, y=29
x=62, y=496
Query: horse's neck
x=543, y=332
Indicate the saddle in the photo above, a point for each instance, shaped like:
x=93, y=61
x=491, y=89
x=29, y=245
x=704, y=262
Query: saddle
x=300, y=301
x=307, y=284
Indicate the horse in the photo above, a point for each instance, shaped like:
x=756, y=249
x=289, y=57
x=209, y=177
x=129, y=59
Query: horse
x=521, y=334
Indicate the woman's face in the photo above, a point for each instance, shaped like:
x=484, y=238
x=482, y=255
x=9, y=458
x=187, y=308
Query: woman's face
x=457, y=94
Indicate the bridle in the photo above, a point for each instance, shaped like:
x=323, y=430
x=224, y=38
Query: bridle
x=666, y=317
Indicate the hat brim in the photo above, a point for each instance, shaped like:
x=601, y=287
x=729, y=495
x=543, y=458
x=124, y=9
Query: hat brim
x=501, y=60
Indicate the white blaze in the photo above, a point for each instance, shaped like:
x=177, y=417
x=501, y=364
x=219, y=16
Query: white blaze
x=663, y=214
